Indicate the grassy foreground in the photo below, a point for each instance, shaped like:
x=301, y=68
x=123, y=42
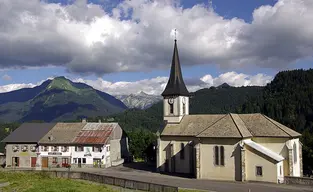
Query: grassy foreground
x=40, y=182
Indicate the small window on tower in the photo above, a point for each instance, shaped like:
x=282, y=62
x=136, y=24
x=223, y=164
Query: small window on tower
x=184, y=108
x=171, y=109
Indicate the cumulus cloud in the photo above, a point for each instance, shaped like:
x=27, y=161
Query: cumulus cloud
x=6, y=77
x=13, y=87
x=138, y=35
x=155, y=86
x=16, y=86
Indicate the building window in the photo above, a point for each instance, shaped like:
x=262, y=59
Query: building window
x=75, y=160
x=216, y=155
x=15, y=148
x=55, y=148
x=84, y=160
x=108, y=148
x=259, y=171
x=219, y=157
x=25, y=148
x=64, y=148
x=182, y=151
x=280, y=172
x=294, y=153
x=222, y=155
x=79, y=148
x=171, y=108
x=96, y=149
x=184, y=108
x=44, y=148
x=54, y=160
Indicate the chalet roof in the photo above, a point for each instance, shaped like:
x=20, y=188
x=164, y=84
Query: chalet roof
x=95, y=133
x=228, y=126
x=175, y=84
x=264, y=150
x=62, y=133
x=29, y=133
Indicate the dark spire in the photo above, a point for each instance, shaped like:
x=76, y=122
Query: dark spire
x=175, y=84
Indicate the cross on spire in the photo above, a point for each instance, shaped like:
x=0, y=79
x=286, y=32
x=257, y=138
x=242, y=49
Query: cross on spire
x=175, y=34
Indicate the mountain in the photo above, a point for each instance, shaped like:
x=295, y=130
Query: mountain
x=209, y=100
x=224, y=85
x=56, y=100
x=141, y=100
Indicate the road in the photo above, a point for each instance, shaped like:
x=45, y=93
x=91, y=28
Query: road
x=145, y=175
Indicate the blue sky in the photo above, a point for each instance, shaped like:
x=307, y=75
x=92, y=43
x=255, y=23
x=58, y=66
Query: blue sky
x=228, y=9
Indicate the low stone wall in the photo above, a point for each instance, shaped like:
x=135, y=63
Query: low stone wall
x=120, y=182
x=298, y=180
x=126, y=183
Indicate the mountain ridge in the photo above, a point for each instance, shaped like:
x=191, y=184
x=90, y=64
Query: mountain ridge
x=140, y=100
x=54, y=99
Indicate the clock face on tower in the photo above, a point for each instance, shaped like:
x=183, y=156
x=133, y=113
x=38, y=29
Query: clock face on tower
x=171, y=100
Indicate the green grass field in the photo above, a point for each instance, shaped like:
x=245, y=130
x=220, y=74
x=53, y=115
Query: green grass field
x=39, y=182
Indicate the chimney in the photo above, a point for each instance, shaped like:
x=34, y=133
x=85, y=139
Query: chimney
x=84, y=120
x=99, y=121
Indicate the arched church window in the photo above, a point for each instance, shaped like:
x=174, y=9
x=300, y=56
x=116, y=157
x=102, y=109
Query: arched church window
x=294, y=153
x=216, y=156
x=219, y=156
x=182, y=151
x=184, y=108
x=222, y=155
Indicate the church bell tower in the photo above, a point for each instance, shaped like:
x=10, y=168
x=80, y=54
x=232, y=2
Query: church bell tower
x=175, y=94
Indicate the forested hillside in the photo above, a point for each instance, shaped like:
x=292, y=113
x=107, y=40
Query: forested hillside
x=287, y=99
x=223, y=99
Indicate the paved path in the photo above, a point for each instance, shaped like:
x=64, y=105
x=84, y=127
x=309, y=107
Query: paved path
x=210, y=185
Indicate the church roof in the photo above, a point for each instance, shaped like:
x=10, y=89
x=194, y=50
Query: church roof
x=175, y=84
x=228, y=126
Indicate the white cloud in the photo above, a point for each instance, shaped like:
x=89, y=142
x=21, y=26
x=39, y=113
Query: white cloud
x=156, y=85
x=13, y=87
x=85, y=39
x=16, y=86
x=6, y=77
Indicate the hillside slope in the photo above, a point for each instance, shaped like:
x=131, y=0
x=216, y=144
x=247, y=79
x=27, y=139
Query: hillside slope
x=56, y=100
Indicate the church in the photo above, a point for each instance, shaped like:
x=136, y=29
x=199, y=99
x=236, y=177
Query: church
x=236, y=147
